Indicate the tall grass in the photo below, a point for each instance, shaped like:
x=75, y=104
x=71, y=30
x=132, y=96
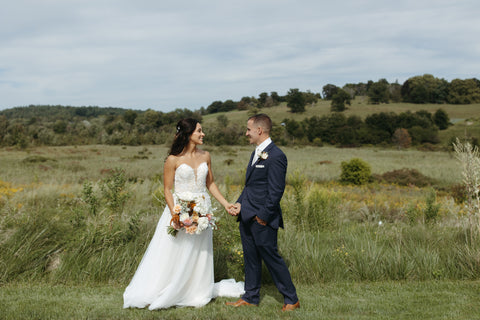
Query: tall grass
x=333, y=232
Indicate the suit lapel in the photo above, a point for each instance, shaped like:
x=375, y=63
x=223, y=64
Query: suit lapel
x=250, y=168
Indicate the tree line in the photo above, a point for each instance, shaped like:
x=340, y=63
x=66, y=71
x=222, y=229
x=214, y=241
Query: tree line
x=36, y=125
x=387, y=128
x=418, y=89
x=58, y=125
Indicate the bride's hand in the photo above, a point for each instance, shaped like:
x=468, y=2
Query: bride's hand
x=229, y=207
x=235, y=209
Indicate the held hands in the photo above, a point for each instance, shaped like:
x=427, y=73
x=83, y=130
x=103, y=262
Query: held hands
x=234, y=209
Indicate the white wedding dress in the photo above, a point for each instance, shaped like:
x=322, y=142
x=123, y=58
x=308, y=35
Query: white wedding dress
x=178, y=271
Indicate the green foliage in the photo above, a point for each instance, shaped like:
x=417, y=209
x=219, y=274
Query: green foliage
x=114, y=190
x=219, y=106
x=296, y=101
x=329, y=91
x=378, y=92
x=222, y=134
x=339, y=99
x=310, y=97
x=356, y=171
x=432, y=208
x=297, y=180
x=222, y=121
x=441, y=119
x=130, y=116
x=58, y=125
x=89, y=197
x=463, y=91
x=356, y=89
x=425, y=89
x=321, y=210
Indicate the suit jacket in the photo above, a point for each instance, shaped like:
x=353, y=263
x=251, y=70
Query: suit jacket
x=264, y=187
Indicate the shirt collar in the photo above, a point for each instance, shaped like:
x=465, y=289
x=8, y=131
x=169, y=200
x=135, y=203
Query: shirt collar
x=264, y=144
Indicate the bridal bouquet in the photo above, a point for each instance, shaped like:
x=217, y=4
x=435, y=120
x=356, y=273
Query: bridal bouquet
x=192, y=212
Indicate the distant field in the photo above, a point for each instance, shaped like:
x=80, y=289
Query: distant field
x=71, y=165
x=359, y=107
x=465, y=117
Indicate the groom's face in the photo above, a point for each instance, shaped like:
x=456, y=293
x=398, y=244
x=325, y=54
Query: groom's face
x=253, y=132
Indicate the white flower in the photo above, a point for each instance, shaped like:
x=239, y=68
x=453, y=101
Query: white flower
x=184, y=216
x=202, y=224
x=263, y=155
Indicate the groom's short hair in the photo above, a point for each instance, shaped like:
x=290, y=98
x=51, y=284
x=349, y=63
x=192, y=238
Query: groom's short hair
x=263, y=121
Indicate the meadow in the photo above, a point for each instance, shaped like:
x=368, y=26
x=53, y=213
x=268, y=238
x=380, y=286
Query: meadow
x=75, y=221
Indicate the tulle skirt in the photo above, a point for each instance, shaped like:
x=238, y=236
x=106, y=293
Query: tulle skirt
x=177, y=271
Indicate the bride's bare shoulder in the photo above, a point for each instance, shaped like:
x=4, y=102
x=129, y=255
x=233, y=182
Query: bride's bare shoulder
x=171, y=161
x=205, y=155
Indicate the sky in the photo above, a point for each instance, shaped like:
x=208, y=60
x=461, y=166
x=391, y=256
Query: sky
x=163, y=55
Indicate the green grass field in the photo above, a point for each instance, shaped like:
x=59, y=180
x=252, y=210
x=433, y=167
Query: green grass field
x=376, y=251
x=71, y=165
x=341, y=300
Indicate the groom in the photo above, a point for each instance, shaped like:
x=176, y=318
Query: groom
x=260, y=216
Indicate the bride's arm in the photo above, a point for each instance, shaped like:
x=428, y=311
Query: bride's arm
x=168, y=179
x=212, y=187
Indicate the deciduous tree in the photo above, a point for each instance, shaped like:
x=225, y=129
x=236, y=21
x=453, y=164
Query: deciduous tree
x=296, y=101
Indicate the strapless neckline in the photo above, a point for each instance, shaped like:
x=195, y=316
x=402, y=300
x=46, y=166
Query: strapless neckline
x=188, y=178
x=194, y=169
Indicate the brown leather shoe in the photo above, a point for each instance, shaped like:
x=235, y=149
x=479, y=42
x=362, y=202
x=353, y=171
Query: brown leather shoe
x=240, y=303
x=290, y=307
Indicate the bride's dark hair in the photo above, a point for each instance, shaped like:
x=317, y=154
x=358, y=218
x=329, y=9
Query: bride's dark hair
x=185, y=128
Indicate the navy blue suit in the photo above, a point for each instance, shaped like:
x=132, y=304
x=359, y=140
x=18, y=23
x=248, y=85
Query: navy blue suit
x=264, y=187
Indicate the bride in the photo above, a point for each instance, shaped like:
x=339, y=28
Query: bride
x=177, y=270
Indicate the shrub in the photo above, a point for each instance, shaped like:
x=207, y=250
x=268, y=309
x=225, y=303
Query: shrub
x=401, y=138
x=406, y=177
x=356, y=171
x=114, y=190
x=432, y=207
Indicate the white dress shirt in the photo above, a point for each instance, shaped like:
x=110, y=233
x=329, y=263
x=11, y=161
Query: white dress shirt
x=260, y=148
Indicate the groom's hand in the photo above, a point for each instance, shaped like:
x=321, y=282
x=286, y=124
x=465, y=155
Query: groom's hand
x=260, y=221
x=235, y=209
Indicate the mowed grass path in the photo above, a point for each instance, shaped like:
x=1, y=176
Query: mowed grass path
x=378, y=300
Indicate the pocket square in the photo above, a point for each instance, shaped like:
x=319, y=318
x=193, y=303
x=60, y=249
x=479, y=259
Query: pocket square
x=259, y=166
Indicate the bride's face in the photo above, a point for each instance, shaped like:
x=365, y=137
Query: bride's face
x=197, y=135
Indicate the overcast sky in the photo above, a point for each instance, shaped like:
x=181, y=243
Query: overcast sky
x=163, y=54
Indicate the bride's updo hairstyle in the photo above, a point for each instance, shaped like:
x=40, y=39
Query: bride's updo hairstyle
x=185, y=128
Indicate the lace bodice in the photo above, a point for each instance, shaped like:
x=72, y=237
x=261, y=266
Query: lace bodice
x=188, y=179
